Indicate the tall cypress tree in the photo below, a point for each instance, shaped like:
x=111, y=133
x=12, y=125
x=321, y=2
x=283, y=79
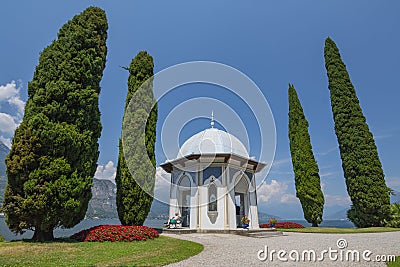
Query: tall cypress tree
x=306, y=172
x=135, y=174
x=55, y=150
x=360, y=161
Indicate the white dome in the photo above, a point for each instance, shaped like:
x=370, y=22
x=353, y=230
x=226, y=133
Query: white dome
x=213, y=141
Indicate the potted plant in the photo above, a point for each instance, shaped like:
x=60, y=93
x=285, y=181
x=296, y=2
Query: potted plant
x=245, y=222
x=272, y=222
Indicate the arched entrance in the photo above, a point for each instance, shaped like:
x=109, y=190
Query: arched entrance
x=183, y=196
x=241, y=199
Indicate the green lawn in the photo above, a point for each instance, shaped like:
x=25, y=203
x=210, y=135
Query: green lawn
x=329, y=230
x=394, y=264
x=157, y=252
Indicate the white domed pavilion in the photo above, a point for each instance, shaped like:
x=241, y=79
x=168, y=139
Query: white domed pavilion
x=213, y=182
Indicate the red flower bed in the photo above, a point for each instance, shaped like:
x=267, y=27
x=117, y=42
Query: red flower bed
x=115, y=233
x=285, y=225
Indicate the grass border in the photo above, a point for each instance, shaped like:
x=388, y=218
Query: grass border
x=153, y=252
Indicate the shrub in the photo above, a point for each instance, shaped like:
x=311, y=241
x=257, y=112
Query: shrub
x=272, y=221
x=115, y=233
x=394, y=220
x=285, y=225
x=1, y=238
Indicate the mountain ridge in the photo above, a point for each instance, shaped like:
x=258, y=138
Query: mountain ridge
x=4, y=150
x=103, y=202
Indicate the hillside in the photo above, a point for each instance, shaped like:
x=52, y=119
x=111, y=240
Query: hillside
x=264, y=217
x=339, y=214
x=4, y=150
x=158, y=210
x=103, y=202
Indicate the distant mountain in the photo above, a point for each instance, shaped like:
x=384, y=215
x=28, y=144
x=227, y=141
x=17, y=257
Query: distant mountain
x=395, y=198
x=4, y=150
x=158, y=210
x=336, y=215
x=103, y=202
x=264, y=217
x=340, y=213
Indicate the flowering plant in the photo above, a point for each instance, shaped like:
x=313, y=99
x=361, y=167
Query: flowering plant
x=284, y=225
x=245, y=219
x=115, y=233
x=273, y=221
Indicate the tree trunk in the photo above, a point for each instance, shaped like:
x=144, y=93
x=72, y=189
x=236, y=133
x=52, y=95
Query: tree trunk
x=314, y=224
x=43, y=235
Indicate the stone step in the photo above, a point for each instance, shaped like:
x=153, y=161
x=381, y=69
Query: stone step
x=262, y=234
x=256, y=233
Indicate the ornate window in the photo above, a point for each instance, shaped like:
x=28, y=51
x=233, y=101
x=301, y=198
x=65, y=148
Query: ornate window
x=212, y=197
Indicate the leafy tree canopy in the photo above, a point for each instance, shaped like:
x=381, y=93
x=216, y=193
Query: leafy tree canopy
x=55, y=150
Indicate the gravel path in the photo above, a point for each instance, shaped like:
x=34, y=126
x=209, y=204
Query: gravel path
x=234, y=250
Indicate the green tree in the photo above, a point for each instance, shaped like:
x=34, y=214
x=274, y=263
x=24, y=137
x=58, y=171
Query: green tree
x=55, y=150
x=360, y=161
x=306, y=172
x=394, y=219
x=136, y=166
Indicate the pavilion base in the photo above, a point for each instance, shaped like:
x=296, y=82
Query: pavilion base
x=257, y=233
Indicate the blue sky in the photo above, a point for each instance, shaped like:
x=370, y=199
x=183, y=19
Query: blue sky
x=272, y=43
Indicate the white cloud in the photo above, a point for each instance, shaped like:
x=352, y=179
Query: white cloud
x=10, y=94
x=8, y=91
x=106, y=172
x=286, y=173
x=326, y=174
x=337, y=200
x=18, y=103
x=328, y=151
x=281, y=167
x=280, y=162
x=162, y=185
x=274, y=190
x=6, y=141
x=323, y=186
x=163, y=179
x=289, y=198
x=7, y=123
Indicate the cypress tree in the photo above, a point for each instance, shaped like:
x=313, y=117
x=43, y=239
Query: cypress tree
x=306, y=172
x=136, y=159
x=360, y=161
x=55, y=150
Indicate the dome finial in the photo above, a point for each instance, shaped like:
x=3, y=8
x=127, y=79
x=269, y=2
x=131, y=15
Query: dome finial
x=212, y=119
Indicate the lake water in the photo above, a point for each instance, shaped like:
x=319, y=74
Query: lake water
x=85, y=224
x=327, y=223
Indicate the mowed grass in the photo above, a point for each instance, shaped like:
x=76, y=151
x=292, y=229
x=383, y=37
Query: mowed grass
x=157, y=252
x=329, y=230
x=394, y=263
